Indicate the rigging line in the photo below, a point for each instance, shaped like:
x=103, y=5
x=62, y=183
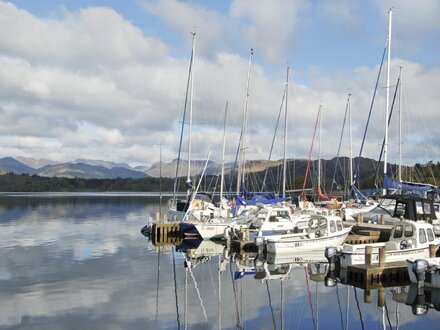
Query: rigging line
x=383, y=142
x=157, y=284
x=234, y=289
x=273, y=139
x=348, y=308
x=317, y=306
x=270, y=305
x=310, y=297
x=369, y=116
x=282, y=305
x=219, y=294
x=388, y=316
x=339, y=305
x=310, y=154
x=176, y=180
x=212, y=277
x=198, y=293
x=175, y=290
x=359, y=308
x=340, y=142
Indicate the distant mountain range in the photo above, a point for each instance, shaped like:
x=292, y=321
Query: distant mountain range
x=101, y=169
x=80, y=168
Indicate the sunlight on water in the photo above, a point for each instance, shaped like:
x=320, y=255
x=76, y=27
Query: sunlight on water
x=72, y=262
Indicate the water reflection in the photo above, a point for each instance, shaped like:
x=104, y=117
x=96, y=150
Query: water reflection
x=70, y=262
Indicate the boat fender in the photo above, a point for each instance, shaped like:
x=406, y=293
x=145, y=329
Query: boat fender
x=403, y=245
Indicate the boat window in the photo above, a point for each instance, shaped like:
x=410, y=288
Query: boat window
x=339, y=225
x=283, y=214
x=262, y=214
x=419, y=209
x=332, y=227
x=400, y=209
x=436, y=207
x=398, y=231
x=430, y=234
x=323, y=222
x=427, y=208
x=388, y=205
x=422, y=235
x=409, y=231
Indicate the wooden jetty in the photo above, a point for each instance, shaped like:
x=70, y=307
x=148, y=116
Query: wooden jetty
x=164, y=232
x=381, y=275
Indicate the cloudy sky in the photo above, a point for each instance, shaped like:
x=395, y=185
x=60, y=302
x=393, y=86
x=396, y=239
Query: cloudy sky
x=107, y=79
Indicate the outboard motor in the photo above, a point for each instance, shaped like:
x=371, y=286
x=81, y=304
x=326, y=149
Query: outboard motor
x=331, y=253
x=420, y=267
x=259, y=243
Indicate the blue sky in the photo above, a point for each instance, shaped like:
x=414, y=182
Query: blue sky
x=106, y=79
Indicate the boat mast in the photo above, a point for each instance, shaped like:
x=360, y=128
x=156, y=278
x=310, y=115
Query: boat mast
x=188, y=180
x=400, y=124
x=241, y=165
x=319, y=149
x=385, y=150
x=349, y=138
x=285, y=135
x=222, y=178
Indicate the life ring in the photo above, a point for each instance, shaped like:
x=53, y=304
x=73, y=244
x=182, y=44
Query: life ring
x=403, y=245
x=197, y=205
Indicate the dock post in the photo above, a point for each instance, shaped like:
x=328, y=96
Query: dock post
x=360, y=218
x=368, y=254
x=432, y=250
x=381, y=297
x=157, y=217
x=382, y=219
x=367, y=296
x=382, y=256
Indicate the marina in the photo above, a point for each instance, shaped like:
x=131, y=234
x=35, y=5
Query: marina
x=98, y=265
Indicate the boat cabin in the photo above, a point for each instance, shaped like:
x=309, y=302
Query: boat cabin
x=320, y=226
x=408, y=207
x=411, y=235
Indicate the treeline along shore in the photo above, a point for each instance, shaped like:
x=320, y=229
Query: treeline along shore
x=10, y=182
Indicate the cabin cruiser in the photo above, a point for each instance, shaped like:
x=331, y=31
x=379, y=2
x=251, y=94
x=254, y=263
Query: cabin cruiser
x=408, y=239
x=321, y=231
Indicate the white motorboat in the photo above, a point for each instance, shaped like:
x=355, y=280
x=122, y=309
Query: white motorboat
x=271, y=219
x=321, y=231
x=408, y=239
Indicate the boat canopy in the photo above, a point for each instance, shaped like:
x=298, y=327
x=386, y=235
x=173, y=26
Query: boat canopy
x=390, y=184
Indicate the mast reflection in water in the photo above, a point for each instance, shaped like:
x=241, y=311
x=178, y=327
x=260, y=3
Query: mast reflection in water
x=80, y=261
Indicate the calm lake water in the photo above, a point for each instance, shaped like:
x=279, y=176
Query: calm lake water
x=80, y=262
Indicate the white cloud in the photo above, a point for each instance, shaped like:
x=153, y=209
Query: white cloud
x=269, y=25
x=89, y=83
x=416, y=24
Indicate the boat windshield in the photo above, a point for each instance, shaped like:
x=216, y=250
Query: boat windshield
x=386, y=204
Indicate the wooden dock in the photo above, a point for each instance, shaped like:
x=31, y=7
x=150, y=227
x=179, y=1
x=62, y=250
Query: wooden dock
x=370, y=277
x=166, y=234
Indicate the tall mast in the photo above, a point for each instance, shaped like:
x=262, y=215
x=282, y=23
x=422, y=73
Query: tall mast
x=188, y=180
x=400, y=125
x=222, y=178
x=319, y=148
x=285, y=135
x=385, y=150
x=350, y=141
x=242, y=159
